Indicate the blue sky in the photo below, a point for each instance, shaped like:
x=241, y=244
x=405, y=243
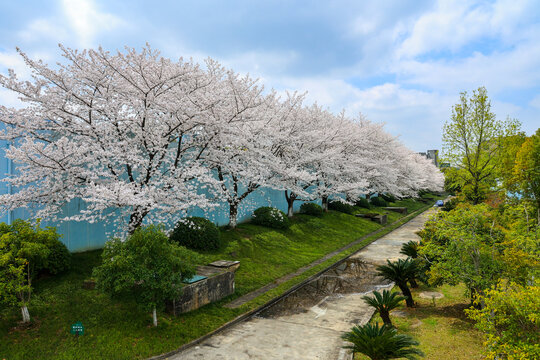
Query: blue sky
x=400, y=62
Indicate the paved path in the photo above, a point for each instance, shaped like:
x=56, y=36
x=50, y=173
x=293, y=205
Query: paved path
x=310, y=330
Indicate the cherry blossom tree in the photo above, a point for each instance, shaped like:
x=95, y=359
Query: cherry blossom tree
x=136, y=136
x=120, y=131
x=293, y=138
x=238, y=153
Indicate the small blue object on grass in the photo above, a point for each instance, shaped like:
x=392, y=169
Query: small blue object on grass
x=439, y=203
x=77, y=328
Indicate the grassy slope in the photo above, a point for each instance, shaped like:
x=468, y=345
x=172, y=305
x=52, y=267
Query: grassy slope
x=118, y=330
x=442, y=328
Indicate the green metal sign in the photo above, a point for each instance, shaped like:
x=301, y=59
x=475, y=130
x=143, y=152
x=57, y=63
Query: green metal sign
x=77, y=328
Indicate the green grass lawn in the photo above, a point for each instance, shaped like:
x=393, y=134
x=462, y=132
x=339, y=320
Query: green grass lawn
x=119, y=330
x=441, y=326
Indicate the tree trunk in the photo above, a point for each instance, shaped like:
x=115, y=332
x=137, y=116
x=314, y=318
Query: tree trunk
x=290, y=202
x=25, y=314
x=154, y=316
x=385, y=316
x=480, y=305
x=233, y=213
x=413, y=283
x=476, y=193
x=290, y=209
x=325, y=203
x=136, y=219
x=407, y=293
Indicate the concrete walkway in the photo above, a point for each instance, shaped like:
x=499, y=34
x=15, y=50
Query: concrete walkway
x=308, y=325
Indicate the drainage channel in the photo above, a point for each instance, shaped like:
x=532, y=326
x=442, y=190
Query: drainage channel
x=351, y=277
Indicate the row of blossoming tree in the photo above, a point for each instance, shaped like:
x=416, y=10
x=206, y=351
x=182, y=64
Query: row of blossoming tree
x=153, y=138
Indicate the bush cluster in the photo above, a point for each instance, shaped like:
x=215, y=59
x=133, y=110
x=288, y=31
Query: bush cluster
x=378, y=201
x=450, y=204
x=196, y=233
x=311, y=209
x=363, y=203
x=271, y=217
x=341, y=207
x=389, y=198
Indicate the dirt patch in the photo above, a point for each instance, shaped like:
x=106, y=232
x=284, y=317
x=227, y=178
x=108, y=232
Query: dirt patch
x=431, y=295
x=399, y=313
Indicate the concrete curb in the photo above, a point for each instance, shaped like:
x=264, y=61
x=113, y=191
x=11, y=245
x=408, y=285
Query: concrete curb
x=294, y=288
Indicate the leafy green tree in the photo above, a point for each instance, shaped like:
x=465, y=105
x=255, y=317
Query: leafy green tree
x=381, y=343
x=454, y=180
x=510, y=320
x=463, y=245
x=506, y=161
x=145, y=265
x=400, y=272
x=384, y=303
x=472, y=141
x=527, y=169
x=23, y=251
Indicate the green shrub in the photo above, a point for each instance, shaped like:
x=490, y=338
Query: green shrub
x=389, y=198
x=271, y=217
x=363, y=203
x=197, y=233
x=378, y=201
x=450, y=204
x=341, y=207
x=311, y=209
x=59, y=259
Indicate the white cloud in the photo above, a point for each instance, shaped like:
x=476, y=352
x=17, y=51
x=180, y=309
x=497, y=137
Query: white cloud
x=455, y=24
x=514, y=69
x=87, y=21
x=43, y=29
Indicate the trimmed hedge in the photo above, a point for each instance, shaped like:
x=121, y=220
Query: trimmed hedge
x=311, y=209
x=270, y=217
x=196, y=233
x=363, y=203
x=341, y=207
x=378, y=201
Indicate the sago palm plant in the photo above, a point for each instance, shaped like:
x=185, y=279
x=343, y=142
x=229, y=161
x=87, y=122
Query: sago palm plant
x=400, y=272
x=381, y=343
x=410, y=249
x=384, y=303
